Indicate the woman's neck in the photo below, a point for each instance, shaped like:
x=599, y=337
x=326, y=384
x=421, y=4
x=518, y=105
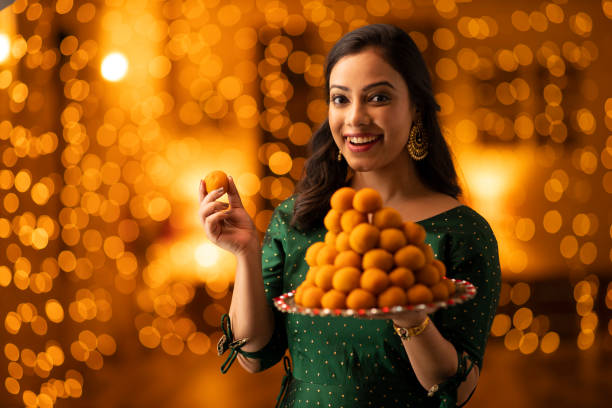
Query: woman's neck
x=396, y=182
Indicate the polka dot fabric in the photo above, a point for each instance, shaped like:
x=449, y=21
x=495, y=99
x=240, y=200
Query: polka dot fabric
x=347, y=362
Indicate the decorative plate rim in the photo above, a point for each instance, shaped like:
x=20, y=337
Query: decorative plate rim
x=464, y=292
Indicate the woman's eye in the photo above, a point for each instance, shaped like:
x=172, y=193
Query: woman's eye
x=337, y=99
x=379, y=98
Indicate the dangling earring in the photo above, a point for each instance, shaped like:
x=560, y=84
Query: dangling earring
x=417, y=140
x=339, y=158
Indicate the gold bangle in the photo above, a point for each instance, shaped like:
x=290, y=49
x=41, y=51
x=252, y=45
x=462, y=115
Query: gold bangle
x=407, y=333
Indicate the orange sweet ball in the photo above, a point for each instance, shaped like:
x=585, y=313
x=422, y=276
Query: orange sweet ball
x=216, y=179
x=363, y=237
x=370, y=258
x=332, y=221
x=326, y=255
x=312, y=297
x=391, y=239
x=324, y=276
x=346, y=279
x=311, y=253
x=428, y=275
x=418, y=294
x=312, y=274
x=348, y=258
x=451, y=286
x=360, y=299
x=410, y=257
x=440, y=267
x=415, y=233
x=367, y=200
x=377, y=258
x=330, y=238
x=342, y=242
x=334, y=299
x=351, y=218
x=428, y=252
x=402, y=277
x=393, y=296
x=299, y=292
x=374, y=280
x=342, y=199
x=439, y=291
x=387, y=218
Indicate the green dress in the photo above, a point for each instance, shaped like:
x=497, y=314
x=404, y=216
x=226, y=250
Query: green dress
x=348, y=362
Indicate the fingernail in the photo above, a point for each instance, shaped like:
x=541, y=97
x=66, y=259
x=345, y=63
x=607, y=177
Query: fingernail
x=220, y=189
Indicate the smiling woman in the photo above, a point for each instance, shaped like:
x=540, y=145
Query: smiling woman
x=381, y=133
x=370, y=121
x=382, y=115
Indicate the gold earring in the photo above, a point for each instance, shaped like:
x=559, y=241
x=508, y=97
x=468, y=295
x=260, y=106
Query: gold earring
x=339, y=158
x=417, y=140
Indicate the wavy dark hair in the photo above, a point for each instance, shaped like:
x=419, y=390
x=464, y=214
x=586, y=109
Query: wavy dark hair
x=324, y=174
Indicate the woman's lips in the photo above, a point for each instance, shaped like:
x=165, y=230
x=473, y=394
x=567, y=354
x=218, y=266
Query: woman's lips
x=361, y=142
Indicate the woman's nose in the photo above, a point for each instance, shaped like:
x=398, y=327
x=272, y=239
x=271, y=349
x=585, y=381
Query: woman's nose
x=357, y=115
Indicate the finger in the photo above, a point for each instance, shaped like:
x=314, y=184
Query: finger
x=218, y=217
x=213, y=195
x=379, y=317
x=232, y=194
x=213, y=225
x=208, y=209
x=202, y=190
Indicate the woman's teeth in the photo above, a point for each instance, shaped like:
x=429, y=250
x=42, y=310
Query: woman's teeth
x=362, y=140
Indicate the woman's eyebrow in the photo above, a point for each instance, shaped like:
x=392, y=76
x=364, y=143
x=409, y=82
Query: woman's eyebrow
x=365, y=88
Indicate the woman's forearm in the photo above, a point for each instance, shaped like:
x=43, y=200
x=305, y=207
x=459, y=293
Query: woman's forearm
x=250, y=314
x=434, y=360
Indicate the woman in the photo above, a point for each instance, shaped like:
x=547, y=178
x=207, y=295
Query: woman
x=381, y=132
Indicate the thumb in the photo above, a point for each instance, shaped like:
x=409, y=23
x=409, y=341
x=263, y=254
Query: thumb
x=232, y=194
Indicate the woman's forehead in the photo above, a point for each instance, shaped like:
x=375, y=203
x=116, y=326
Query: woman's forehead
x=365, y=67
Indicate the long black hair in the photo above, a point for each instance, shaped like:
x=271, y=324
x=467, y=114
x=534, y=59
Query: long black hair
x=324, y=174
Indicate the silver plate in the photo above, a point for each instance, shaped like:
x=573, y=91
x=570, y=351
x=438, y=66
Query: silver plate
x=464, y=291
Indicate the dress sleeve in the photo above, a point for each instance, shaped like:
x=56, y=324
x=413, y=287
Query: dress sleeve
x=472, y=256
x=272, y=265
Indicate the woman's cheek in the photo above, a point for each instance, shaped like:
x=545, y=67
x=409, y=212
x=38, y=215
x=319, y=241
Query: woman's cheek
x=335, y=122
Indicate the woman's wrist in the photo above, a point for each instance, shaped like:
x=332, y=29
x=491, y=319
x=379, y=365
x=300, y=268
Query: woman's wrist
x=410, y=319
x=250, y=253
x=406, y=333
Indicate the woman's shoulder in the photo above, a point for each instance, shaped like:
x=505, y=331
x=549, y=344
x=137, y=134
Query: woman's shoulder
x=281, y=216
x=461, y=219
x=280, y=225
x=286, y=206
x=283, y=213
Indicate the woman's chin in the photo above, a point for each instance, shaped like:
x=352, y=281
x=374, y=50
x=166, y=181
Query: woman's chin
x=361, y=166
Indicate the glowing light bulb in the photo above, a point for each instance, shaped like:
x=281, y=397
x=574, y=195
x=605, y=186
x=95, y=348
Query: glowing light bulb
x=5, y=47
x=114, y=67
x=207, y=254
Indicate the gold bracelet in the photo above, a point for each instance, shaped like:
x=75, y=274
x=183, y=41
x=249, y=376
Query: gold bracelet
x=407, y=333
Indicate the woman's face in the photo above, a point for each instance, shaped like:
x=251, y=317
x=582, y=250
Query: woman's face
x=370, y=112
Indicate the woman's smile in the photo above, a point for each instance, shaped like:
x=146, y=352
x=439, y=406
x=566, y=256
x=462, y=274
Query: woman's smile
x=361, y=142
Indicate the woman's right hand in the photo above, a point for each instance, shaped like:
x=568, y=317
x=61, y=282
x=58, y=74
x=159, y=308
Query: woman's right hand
x=227, y=226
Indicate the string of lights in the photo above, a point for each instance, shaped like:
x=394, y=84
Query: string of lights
x=111, y=111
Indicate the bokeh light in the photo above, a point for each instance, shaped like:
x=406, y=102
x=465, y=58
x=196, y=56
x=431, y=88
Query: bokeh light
x=114, y=67
x=5, y=47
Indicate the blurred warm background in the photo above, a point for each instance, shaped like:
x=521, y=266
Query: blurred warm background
x=111, y=112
